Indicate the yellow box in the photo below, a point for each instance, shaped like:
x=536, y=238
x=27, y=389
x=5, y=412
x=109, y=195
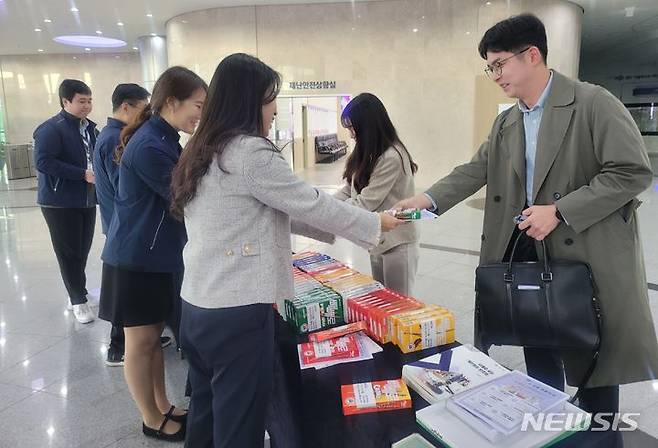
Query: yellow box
x=429, y=314
x=404, y=316
x=426, y=331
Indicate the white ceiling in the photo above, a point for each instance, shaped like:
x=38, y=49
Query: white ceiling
x=19, y=18
x=606, y=29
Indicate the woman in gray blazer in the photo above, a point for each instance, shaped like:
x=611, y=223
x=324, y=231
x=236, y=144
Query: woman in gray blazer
x=378, y=174
x=241, y=202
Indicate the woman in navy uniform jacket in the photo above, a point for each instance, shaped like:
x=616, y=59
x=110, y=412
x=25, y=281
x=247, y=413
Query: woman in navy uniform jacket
x=143, y=264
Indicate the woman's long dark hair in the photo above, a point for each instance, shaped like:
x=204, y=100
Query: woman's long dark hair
x=240, y=87
x=175, y=82
x=374, y=134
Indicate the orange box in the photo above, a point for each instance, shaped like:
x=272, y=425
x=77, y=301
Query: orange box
x=382, y=317
x=376, y=396
x=336, y=332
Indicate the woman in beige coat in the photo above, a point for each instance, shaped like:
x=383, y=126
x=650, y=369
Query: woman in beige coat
x=378, y=174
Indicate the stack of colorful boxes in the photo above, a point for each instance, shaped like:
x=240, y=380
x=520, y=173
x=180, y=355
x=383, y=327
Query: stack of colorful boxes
x=376, y=309
x=326, y=288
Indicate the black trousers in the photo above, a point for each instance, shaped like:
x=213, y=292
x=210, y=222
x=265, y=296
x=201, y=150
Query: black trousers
x=230, y=353
x=546, y=365
x=118, y=338
x=71, y=232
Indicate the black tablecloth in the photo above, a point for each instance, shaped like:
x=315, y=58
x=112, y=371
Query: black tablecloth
x=307, y=410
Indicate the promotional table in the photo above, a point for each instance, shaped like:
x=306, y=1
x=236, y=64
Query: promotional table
x=307, y=410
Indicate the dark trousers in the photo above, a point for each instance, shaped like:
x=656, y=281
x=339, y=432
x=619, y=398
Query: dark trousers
x=71, y=232
x=230, y=353
x=546, y=365
x=117, y=337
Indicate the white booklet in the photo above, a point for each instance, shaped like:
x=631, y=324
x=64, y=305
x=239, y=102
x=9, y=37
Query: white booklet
x=497, y=408
x=444, y=374
x=450, y=430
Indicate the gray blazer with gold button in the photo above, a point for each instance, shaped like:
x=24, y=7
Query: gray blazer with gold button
x=390, y=182
x=240, y=222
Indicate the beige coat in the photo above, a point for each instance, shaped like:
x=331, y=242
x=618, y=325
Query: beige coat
x=591, y=162
x=390, y=182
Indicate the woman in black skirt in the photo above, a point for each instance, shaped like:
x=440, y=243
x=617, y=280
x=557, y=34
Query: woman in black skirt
x=143, y=263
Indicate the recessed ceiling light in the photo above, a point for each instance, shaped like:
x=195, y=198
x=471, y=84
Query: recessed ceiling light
x=149, y=15
x=37, y=30
x=40, y=50
x=99, y=32
x=90, y=41
x=415, y=30
x=183, y=21
x=119, y=23
x=87, y=49
x=488, y=3
x=468, y=33
x=135, y=48
x=153, y=34
x=47, y=21
x=74, y=9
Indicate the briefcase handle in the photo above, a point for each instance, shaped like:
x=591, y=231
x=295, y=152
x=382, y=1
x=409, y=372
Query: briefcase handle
x=546, y=276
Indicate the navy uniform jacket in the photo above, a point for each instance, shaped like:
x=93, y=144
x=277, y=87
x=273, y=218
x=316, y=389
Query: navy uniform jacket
x=143, y=236
x=61, y=162
x=106, y=170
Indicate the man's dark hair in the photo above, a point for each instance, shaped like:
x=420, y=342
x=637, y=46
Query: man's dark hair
x=69, y=87
x=515, y=34
x=130, y=93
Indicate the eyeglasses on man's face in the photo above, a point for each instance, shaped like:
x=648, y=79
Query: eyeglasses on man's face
x=496, y=69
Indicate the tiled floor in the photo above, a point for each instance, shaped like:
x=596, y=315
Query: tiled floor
x=55, y=390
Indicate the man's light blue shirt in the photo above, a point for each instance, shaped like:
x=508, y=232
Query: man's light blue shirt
x=531, y=123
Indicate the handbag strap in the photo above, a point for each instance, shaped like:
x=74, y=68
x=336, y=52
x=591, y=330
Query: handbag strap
x=546, y=276
x=595, y=358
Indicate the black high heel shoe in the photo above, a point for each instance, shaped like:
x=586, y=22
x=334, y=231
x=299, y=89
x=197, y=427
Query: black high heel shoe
x=178, y=436
x=176, y=418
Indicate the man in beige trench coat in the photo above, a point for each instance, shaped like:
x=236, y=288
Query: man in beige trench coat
x=570, y=157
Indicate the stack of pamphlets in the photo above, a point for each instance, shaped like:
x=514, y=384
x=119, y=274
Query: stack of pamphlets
x=375, y=396
x=509, y=410
x=455, y=370
x=344, y=349
x=496, y=409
